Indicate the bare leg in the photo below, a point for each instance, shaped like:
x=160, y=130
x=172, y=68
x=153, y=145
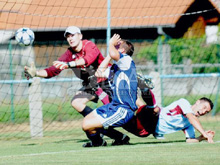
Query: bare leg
x=91, y=125
x=140, y=102
x=80, y=99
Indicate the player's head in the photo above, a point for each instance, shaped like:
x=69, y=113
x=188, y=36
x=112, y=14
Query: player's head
x=203, y=106
x=126, y=47
x=73, y=35
x=72, y=30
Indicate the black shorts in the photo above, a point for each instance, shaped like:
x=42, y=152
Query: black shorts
x=143, y=123
x=91, y=90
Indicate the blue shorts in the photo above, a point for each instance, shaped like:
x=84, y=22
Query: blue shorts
x=114, y=115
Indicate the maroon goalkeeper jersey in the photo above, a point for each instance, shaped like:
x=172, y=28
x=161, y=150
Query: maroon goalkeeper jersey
x=90, y=53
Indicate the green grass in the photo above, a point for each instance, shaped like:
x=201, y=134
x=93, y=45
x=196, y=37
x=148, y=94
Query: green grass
x=65, y=146
x=68, y=150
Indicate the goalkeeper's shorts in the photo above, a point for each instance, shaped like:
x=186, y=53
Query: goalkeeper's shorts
x=144, y=123
x=91, y=90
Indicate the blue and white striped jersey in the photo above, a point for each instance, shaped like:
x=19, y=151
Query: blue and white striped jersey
x=125, y=83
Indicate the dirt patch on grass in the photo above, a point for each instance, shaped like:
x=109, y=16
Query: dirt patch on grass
x=55, y=125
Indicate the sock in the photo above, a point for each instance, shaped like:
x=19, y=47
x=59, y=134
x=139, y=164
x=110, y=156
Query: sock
x=113, y=134
x=95, y=138
x=148, y=97
x=86, y=111
x=102, y=96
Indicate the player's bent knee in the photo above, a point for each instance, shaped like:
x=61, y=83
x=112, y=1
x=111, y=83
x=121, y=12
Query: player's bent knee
x=91, y=123
x=73, y=103
x=86, y=126
x=76, y=103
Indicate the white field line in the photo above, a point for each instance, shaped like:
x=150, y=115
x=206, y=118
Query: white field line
x=100, y=149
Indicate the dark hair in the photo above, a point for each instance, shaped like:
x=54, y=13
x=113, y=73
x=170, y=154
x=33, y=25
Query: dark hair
x=207, y=100
x=128, y=46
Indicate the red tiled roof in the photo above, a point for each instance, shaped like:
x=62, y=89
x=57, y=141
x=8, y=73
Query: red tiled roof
x=89, y=14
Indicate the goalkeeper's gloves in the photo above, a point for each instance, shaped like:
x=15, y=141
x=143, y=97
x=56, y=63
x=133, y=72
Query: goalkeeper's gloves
x=31, y=71
x=64, y=65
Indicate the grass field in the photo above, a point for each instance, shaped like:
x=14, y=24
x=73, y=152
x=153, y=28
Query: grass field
x=69, y=150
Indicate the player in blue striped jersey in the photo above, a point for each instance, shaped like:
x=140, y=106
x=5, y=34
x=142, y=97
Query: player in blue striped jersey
x=123, y=105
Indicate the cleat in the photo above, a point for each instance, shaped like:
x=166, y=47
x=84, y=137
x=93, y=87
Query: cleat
x=102, y=135
x=90, y=144
x=159, y=136
x=144, y=82
x=123, y=141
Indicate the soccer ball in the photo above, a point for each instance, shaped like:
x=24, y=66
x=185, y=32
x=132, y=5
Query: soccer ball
x=24, y=36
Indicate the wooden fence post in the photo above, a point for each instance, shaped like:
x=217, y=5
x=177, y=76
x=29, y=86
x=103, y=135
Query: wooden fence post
x=157, y=87
x=35, y=109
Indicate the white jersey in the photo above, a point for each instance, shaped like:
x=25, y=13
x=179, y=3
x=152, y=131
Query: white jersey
x=173, y=118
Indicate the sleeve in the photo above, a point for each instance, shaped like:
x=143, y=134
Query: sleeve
x=91, y=53
x=124, y=62
x=185, y=106
x=52, y=70
x=189, y=132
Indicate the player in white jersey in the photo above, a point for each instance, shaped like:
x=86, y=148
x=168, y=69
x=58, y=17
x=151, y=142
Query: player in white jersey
x=179, y=115
x=173, y=118
x=123, y=105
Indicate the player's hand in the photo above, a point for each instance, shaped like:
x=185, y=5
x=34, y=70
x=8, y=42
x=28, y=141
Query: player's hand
x=211, y=133
x=64, y=65
x=30, y=72
x=60, y=65
x=115, y=40
x=209, y=136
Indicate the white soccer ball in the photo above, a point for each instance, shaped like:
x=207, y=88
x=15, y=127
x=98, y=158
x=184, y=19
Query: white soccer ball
x=24, y=36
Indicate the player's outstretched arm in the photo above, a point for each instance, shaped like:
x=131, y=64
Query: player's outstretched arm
x=113, y=52
x=31, y=71
x=201, y=137
x=65, y=65
x=210, y=133
x=197, y=125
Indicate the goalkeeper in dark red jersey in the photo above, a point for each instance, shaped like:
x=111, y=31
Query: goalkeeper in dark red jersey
x=83, y=57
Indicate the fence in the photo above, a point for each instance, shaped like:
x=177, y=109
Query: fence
x=162, y=89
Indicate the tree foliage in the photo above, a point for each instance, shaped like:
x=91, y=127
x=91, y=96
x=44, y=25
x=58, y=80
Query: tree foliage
x=195, y=49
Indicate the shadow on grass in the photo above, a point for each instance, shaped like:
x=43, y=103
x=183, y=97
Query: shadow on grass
x=74, y=140
x=158, y=142
x=138, y=143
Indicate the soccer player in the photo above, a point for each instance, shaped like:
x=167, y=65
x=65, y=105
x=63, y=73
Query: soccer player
x=179, y=115
x=83, y=57
x=121, y=109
